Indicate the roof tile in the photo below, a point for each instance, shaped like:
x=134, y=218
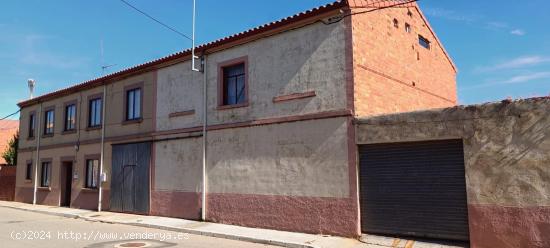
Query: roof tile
x=8, y=128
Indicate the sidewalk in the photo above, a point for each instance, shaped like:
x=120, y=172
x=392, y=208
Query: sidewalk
x=255, y=235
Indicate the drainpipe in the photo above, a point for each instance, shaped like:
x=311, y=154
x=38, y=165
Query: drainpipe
x=204, y=124
x=37, y=133
x=102, y=156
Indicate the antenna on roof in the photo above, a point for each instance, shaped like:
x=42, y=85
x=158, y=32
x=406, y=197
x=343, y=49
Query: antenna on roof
x=193, y=56
x=31, y=83
x=103, y=65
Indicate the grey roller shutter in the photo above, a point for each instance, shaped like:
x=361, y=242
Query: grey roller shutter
x=414, y=189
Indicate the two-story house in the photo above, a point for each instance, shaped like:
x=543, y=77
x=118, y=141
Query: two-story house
x=263, y=136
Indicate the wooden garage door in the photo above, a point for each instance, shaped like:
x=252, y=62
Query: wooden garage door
x=414, y=189
x=130, y=178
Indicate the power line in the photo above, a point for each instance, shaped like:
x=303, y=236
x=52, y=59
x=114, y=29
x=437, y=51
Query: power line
x=10, y=115
x=156, y=20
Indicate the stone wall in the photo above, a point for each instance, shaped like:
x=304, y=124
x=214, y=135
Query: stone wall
x=507, y=162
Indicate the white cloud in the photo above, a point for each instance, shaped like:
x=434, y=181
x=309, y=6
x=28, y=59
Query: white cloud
x=527, y=77
x=448, y=14
x=51, y=60
x=502, y=26
x=519, y=79
x=497, y=25
x=516, y=63
x=32, y=53
x=518, y=32
x=471, y=18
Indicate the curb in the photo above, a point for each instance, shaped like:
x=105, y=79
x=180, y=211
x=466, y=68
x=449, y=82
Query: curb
x=174, y=229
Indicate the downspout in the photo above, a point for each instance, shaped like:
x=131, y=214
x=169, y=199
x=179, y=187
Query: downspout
x=204, y=125
x=37, y=133
x=102, y=156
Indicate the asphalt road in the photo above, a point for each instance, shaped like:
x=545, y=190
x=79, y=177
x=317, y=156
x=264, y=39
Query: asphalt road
x=20, y=228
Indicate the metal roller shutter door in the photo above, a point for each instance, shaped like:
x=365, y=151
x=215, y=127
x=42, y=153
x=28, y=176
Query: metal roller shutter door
x=414, y=189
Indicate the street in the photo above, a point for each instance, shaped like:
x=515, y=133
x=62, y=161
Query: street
x=27, y=229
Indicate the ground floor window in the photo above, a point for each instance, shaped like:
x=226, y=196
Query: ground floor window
x=45, y=174
x=28, y=171
x=92, y=173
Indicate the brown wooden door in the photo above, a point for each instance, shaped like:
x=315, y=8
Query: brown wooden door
x=66, y=183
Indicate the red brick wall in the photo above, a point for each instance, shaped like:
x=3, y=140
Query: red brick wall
x=7, y=183
x=392, y=72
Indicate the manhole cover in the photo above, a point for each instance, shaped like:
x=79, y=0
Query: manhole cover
x=97, y=215
x=132, y=244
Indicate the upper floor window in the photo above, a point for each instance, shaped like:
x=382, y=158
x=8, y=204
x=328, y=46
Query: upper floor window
x=133, y=104
x=45, y=174
x=234, y=84
x=32, y=124
x=70, y=117
x=94, y=112
x=92, y=173
x=407, y=27
x=49, y=122
x=424, y=42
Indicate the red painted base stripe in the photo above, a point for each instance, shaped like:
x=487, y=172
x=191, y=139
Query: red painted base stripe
x=496, y=226
x=317, y=215
x=185, y=205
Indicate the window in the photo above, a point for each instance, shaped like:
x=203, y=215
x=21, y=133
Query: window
x=28, y=171
x=49, y=122
x=45, y=174
x=70, y=117
x=94, y=115
x=92, y=173
x=407, y=27
x=395, y=23
x=424, y=42
x=234, y=84
x=32, y=124
x=133, y=104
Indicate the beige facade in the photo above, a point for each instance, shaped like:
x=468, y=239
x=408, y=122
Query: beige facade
x=178, y=165
x=282, y=158
x=277, y=159
x=309, y=59
x=84, y=142
x=257, y=161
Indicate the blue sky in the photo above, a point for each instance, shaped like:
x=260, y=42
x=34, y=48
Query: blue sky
x=501, y=48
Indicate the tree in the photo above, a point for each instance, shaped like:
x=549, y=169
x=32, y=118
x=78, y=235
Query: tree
x=10, y=155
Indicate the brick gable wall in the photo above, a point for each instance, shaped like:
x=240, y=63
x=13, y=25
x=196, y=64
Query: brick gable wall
x=392, y=72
